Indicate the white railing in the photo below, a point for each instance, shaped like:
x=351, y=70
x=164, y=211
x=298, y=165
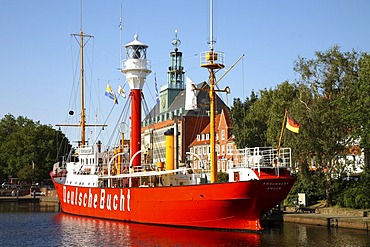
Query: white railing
x=262, y=157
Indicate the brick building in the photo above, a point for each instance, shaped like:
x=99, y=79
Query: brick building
x=225, y=145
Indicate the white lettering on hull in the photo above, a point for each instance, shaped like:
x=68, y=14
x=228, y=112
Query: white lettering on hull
x=103, y=200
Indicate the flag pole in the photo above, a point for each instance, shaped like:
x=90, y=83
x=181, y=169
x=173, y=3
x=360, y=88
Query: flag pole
x=281, y=134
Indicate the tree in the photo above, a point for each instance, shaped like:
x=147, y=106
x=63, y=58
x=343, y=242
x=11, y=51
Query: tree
x=28, y=149
x=331, y=77
x=261, y=122
x=248, y=132
x=331, y=101
x=361, y=107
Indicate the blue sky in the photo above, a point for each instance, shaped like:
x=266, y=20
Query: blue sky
x=38, y=57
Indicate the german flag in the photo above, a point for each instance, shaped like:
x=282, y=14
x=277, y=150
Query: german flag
x=292, y=125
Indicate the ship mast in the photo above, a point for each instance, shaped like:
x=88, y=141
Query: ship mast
x=82, y=40
x=82, y=44
x=83, y=121
x=213, y=61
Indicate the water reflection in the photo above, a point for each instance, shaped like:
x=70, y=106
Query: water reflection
x=291, y=234
x=42, y=225
x=29, y=207
x=93, y=232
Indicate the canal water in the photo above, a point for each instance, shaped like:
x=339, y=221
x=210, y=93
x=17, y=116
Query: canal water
x=43, y=225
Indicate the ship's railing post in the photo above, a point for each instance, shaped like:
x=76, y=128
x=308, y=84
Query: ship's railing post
x=197, y=156
x=246, y=161
x=109, y=167
x=256, y=153
x=130, y=166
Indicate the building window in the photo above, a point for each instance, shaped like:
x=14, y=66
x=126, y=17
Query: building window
x=202, y=137
x=207, y=137
x=222, y=134
x=229, y=149
x=198, y=138
x=204, y=150
x=223, y=149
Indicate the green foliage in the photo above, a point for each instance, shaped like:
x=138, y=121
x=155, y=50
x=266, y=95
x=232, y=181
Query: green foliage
x=331, y=101
x=222, y=177
x=361, y=108
x=355, y=198
x=310, y=183
x=247, y=131
x=28, y=149
x=356, y=194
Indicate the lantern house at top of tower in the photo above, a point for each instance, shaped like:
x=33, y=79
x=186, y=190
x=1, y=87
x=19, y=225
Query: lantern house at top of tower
x=136, y=66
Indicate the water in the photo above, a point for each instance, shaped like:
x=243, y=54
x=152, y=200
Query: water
x=35, y=225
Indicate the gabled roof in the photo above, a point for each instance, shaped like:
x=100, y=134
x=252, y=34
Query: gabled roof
x=179, y=103
x=206, y=130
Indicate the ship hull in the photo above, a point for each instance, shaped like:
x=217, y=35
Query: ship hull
x=231, y=206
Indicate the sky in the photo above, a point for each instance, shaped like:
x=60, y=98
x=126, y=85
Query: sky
x=39, y=57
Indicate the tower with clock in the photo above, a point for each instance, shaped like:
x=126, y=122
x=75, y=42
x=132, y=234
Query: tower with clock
x=175, y=77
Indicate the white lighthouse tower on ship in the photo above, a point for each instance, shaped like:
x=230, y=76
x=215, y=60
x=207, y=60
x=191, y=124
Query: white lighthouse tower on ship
x=136, y=70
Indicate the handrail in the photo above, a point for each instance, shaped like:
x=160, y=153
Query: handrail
x=196, y=155
x=112, y=159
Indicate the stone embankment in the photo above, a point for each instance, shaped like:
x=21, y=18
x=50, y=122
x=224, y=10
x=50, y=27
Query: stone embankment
x=330, y=217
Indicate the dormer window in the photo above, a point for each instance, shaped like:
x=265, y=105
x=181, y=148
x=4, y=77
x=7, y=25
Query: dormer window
x=198, y=138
